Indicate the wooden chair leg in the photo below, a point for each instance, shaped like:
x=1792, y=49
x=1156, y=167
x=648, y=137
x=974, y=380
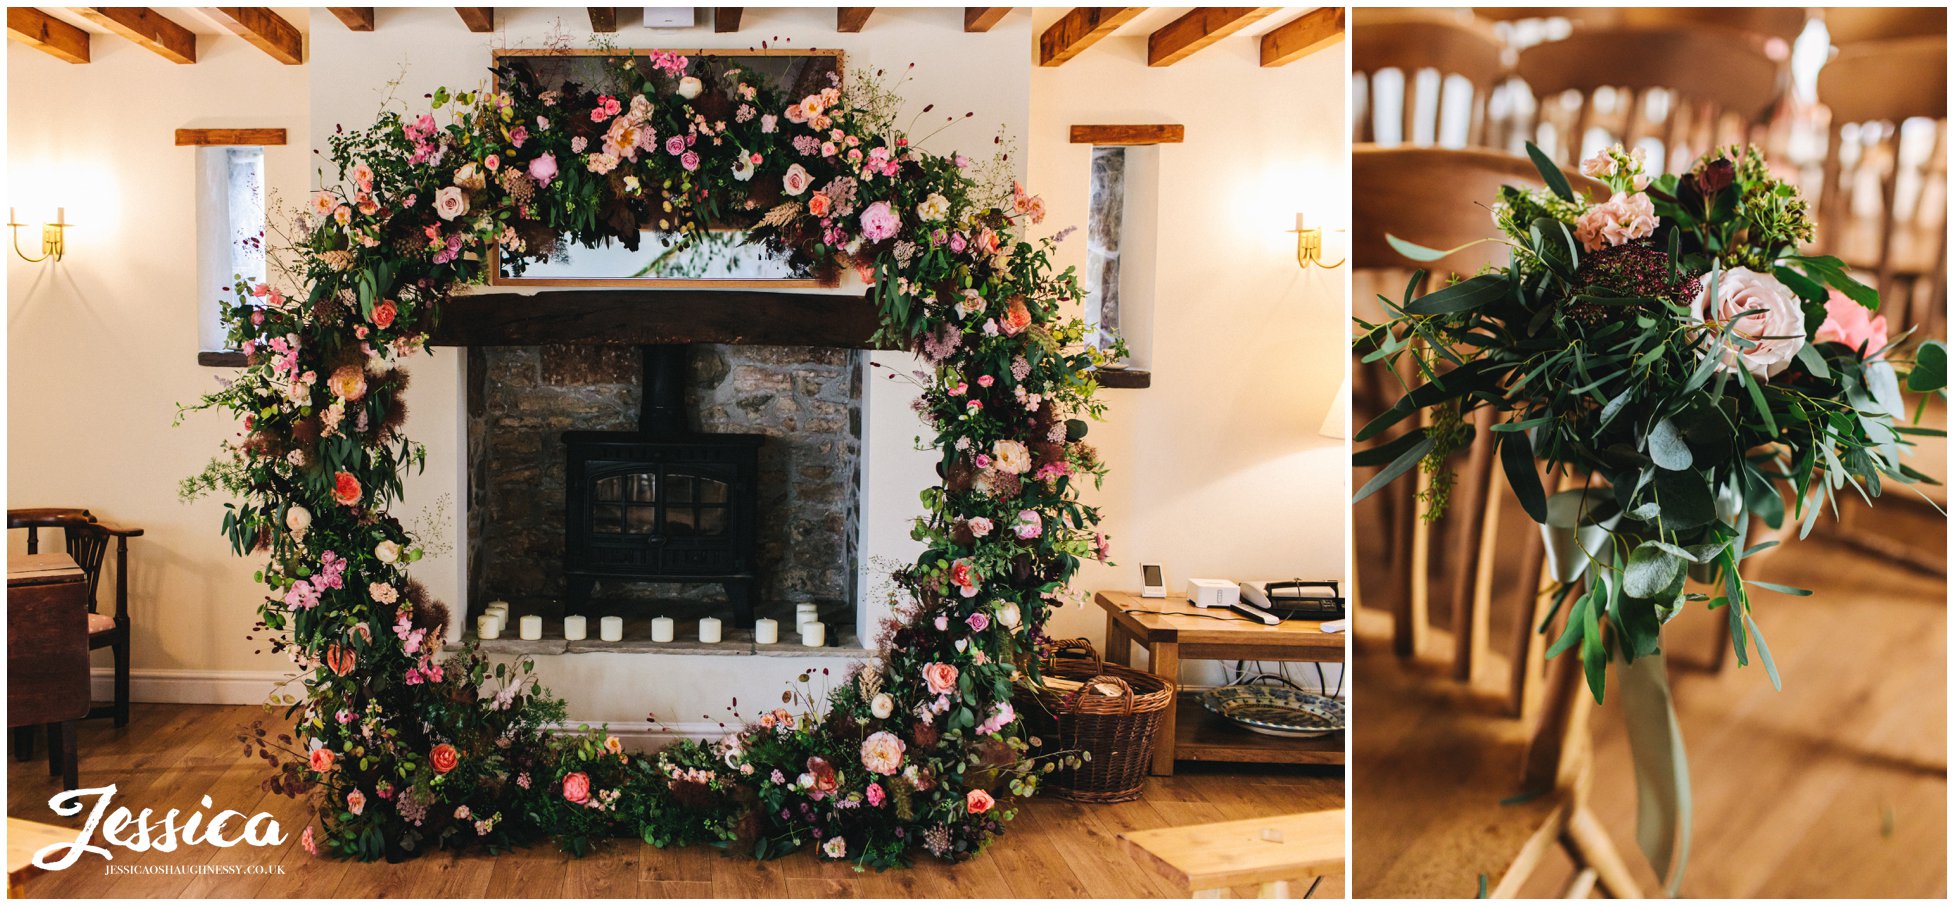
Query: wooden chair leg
x=1589, y=843
x=53, y=749
x=70, y=756
x=23, y=743
x=121, y=650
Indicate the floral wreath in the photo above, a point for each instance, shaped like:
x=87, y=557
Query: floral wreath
x=410, y=748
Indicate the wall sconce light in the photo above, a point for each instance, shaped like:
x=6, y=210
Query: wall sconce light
x=54, y=242
x=1309, y=246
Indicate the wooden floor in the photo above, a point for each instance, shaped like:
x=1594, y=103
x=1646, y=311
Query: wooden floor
x=1834, y=787
x=170, y=755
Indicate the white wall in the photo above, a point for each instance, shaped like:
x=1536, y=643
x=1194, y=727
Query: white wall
x=1218, y=469
x=102, y=346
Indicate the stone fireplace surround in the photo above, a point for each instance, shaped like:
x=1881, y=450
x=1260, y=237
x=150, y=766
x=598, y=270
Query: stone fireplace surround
x=807, y=400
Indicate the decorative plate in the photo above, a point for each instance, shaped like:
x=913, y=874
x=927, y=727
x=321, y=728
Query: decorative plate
x=1276, y=710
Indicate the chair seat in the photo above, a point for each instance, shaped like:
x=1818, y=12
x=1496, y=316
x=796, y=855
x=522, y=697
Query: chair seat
x=1428, y=774
x=100, y=623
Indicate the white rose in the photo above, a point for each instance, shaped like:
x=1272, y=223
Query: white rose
x=1775, y=322
x=882, y=705
x=1007, y=614
x=935, y=207
x=449, y=202
x=796, y=180
x=386, y=552
x=743, y=170
x=298, y=519
x=689, y=87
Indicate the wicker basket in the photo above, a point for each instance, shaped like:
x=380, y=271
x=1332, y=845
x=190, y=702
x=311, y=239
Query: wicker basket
x=1118, y=731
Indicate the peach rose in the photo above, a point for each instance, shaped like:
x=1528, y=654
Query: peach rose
x=978, y=802
x=356, y=802
x=796, y=179
x=340, y=659
x=348, y=382
x=384, y=314
x=882, y=753
x=1016, y=318
x=346, y=488
x=444, y=758
x=1854, y=325
x=576, y=787
x=940, y=678
x=322, y=759
x=1767, y=315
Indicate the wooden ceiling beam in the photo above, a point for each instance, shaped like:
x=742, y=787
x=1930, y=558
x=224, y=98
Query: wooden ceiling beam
x=265, y=29
x=479, y=18
x=355, y=18
x=1204, y=25
x=47, y=34
x=850, y=19
x=146, y=28
x=603, y=19
x=1079, y=29
x=1309, y=33
x=726, y=19
x=982, y=18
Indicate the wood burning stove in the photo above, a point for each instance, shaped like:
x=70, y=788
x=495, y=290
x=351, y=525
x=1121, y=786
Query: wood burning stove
x=664, y=503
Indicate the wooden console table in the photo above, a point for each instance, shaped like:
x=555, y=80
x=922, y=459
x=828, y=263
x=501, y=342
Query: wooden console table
x=1171, y=630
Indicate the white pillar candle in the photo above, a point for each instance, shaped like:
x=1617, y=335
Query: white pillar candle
x=532, y=628
x=611, y=629
x=814, y=635
x=709, y=630
x=806, y=613
x=766, y=632
x=500, y=608
x=488, y=627
x=661, y=629
x=575, y=628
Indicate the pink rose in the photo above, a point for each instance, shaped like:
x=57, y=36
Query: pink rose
x=689, y=160
x=940, y=678
x=978, y=622
x=879, y=222
x=1767, y=315
x=576, y=787
x=978, y=802
x=321, y=759
x=356, y=802
x=1618, y=220
x=543, y=169
x=795, y=180
x=874, y=793
x=1854, y=325
x=964, y=576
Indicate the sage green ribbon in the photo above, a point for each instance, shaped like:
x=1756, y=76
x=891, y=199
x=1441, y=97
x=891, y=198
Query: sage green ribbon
x=1655, y=739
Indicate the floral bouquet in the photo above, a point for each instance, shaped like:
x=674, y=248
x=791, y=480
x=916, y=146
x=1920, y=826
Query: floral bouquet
x=1671, y=347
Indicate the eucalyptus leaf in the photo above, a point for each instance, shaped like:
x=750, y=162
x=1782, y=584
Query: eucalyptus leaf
x=1668, y=448
x=1651, y=570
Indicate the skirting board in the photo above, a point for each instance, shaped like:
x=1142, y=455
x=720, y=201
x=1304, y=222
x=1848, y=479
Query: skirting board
x=253, y=687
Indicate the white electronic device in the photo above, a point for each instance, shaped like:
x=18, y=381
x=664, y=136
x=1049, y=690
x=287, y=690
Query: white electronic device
x=662, y=17
x=1213, y=593
x=1153, y=581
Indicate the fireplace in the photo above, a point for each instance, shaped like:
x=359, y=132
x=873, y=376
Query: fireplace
x=665, y=503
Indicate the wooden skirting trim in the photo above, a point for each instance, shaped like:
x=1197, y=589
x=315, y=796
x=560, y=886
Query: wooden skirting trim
x=1156, y=134
x=185, y=137
x=1124, y=378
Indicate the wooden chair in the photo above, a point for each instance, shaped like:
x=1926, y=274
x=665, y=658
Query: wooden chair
x=87, y=540
x=1870, y=88
x=1435, y=197
x=1848, y=25
x=1718, y=82
x=1412, y=41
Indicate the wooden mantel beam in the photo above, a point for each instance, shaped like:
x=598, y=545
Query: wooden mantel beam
x=850, y=19
x=1309, y=33
x=982, y=18
x=265, y=29
x=603, y=19
x=635, y=317
x=1079, y=29
x=726, y=19
x=47, y=34
x=355, y=18
x=146, y=28
x=479, y=18
x=1204, y=25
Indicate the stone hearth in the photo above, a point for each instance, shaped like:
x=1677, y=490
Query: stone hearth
x=805, y=399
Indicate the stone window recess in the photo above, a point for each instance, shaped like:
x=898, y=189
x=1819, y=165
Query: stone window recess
x=1121, y=228
x=230, y=231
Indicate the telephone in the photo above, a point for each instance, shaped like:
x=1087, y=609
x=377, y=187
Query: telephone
x=1296, y=599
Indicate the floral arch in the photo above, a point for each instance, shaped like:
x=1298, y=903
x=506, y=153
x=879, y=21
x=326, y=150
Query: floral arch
x=408, y=748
